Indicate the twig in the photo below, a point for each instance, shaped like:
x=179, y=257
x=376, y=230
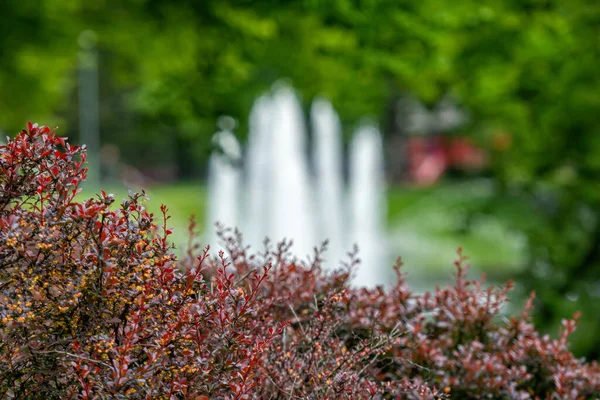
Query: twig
x=244, y=277
x=297, y=318
x=74, y=355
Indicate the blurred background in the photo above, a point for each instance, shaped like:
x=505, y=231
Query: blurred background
x=488, y=110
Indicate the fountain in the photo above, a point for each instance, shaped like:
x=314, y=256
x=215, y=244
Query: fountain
x=258, y=173
x=223, y=184
x=282, y=200
x=328, y=162
x=292, y=215
x=366, y=202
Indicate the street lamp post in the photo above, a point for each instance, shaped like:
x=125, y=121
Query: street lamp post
x=89, y=104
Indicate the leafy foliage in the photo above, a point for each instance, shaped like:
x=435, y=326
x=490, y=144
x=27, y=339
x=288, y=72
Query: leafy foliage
x=179, y=65
x=96, y=305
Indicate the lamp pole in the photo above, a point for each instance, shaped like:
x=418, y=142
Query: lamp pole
x=89, y=130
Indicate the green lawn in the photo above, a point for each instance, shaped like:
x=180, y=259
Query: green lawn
x=425, y=225
x=181, y=199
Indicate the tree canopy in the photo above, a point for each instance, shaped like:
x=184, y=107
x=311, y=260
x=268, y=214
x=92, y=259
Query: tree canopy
x=526, y=67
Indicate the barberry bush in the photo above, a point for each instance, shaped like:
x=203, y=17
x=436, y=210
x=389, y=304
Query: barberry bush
x=94, y=303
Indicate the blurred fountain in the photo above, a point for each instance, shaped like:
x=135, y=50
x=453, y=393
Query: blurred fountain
x=282, y=200
x=328, y=162
x=258, y=171
x=223, y=183
x=367, y=205
x=290, y=208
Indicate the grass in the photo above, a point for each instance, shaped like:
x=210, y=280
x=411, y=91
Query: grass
x=182, y=200
x=425, y=225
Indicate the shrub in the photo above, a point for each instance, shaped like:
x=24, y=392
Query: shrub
x=94, y=304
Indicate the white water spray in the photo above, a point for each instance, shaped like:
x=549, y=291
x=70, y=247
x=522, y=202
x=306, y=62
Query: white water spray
x=258, y=174
x=282, y=200
x=223, y=187
x=328, y=161
x=291, y=210
x=367, y=205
